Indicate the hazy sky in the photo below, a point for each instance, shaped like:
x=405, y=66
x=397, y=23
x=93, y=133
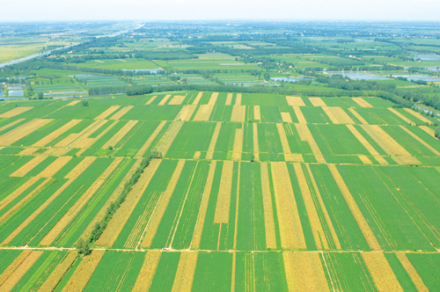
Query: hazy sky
x=28, y=10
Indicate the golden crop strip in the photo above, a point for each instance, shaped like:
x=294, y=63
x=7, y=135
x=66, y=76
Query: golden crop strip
x=22, y=171
x=14, y=265
x=11, y=124
x=367, y=145
x=86, y=142
x=324, y=209
x=284, y=142
x=428, y=130
x=388, y=144
x=146, y=274
x=17, y=192
x=400, y=116
x=361, y=102
x=197, y=99
x=55, y=134
x=295, y=101
x=358, y=116
x=312, y=214
x=213, y=142
x=286, y=117
x=59, y=272
x=120, y=134
x=304, y=272
x=269, y=222
x=418, y=115
x=185, y=272
x=122, y=112
x=21, y=131
x=213, y=98
x=197, y=235
x=238, y=113
x=306, y=135
x=169, y=138
x=255, y=140
x=151, y=100
x=186, y=113
x=257, y=112
x=224, y=194
x=107, y=112
x=177, y=100
x=365, y=159
x=380, y=270
x=54, y=167
x=238, y=145
x=337, y=115
x=299, y=115
x=162, y=204
x=21, y=269
x=317, y=101
x=330, y=115
x=204, y=112
x=412, y=272
x=291, y=232
x=150, y=140
x=238, y=99
x=16, y=111
x=229, y=99
x=84, y=272
x=28, y=151
x=76, y=208
x=432, y=149
x=73, y=102
x=165, y=99
x=355, y=211
x=72, y=137
x=121, y=216
x=197, y=155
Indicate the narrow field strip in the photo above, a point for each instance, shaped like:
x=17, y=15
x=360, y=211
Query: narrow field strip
x=380, y=270
x=120, y=134
x=255, y=142
x=291, y=232
x=16, y=111
x=213, y=142
x=55, y=134
x=315, y=224
x=358, y=116
x=54, y=167
x=74, y=210
x=150, y=140
x=185, y=272
x=238, y=113
x=229, y=99
x=324, y=209
x=121, y=113
x=299, y=115
x=28, y=151
x=269, y=222
x=86, y=142
x=257, y=113
x=165, y=99
x=330, y=115
x=338, y=115
x=404, y=160
x=418, y=115
x=13, y=266
x=428, y=130
x=74, y=136
x=388, y=144
x=197, y=99
x=213, y=98
x=357, y=214
x=162, y=204
x=187, y=111
x=361, y=102
x=11, y=124
x=203, y=113
x=58, y=273
x=73, y=102
x=238, y=145
x=84, y=272
x=197, y=235
x=121, y=216
x=295, y=101
x=17, y=192
x=306, y=135
x=367, y=145
x=169, y=137
x=365, y=159
x=400, y=116
x=238, y=99
x=197, y=155
x=21, y=131
x=177, y=100
x=107, y=112
x=304, y=272
x=412, y=272
x=286, y=118
x=224, y=194
x=317, y=101
x=432, y=149
x=22, y=171
x=15, y=275
x=151, y=100
x=72, y=175
x=147, y=272
x=288, y=156
x=57, y=151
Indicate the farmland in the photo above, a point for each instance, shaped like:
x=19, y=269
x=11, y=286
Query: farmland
x=209, y=176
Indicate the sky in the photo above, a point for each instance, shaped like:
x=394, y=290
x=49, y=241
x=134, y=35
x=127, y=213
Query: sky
x=393, y=10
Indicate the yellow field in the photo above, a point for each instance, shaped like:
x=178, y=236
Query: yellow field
x=229, y=99
x=22, y=131
x=295, y=101
x=151, y=100
x=257, y=114
x=238, y=99
x=286, y=118
x=238, y=113
x=299, y=115
x=150, y=140
x=367, y=145
x=10, y=124
x=400, y=116
x=358, y=116
x=145, y=277
x=185, y=272
x=120, y=134
x=224, y=194
x=381, y=272
x=72, y=103
x=177, y=100
x=22, y=171
x=15, y=112
x=388, y=144
x=337, y=115
x=269, y=223
x=165, y=99
x=418, y=115
x=198, y=97
x=317, y=101
x=121, y=112
x=361, y=102
x=107, y=112
x=204, y=112
x=14, y=275
x=213, y=142
x=306, y=135
x=55, y=134
x=213, y=98
x=255, y=142
x=238, y=145
x=59, y=272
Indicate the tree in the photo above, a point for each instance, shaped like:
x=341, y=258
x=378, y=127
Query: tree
x=266, y=75
x=437, y=132
x=83, y=247
x=40, y=95
x=85, y=103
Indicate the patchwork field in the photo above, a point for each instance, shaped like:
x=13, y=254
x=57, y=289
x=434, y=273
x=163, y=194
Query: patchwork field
x=246, y=192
